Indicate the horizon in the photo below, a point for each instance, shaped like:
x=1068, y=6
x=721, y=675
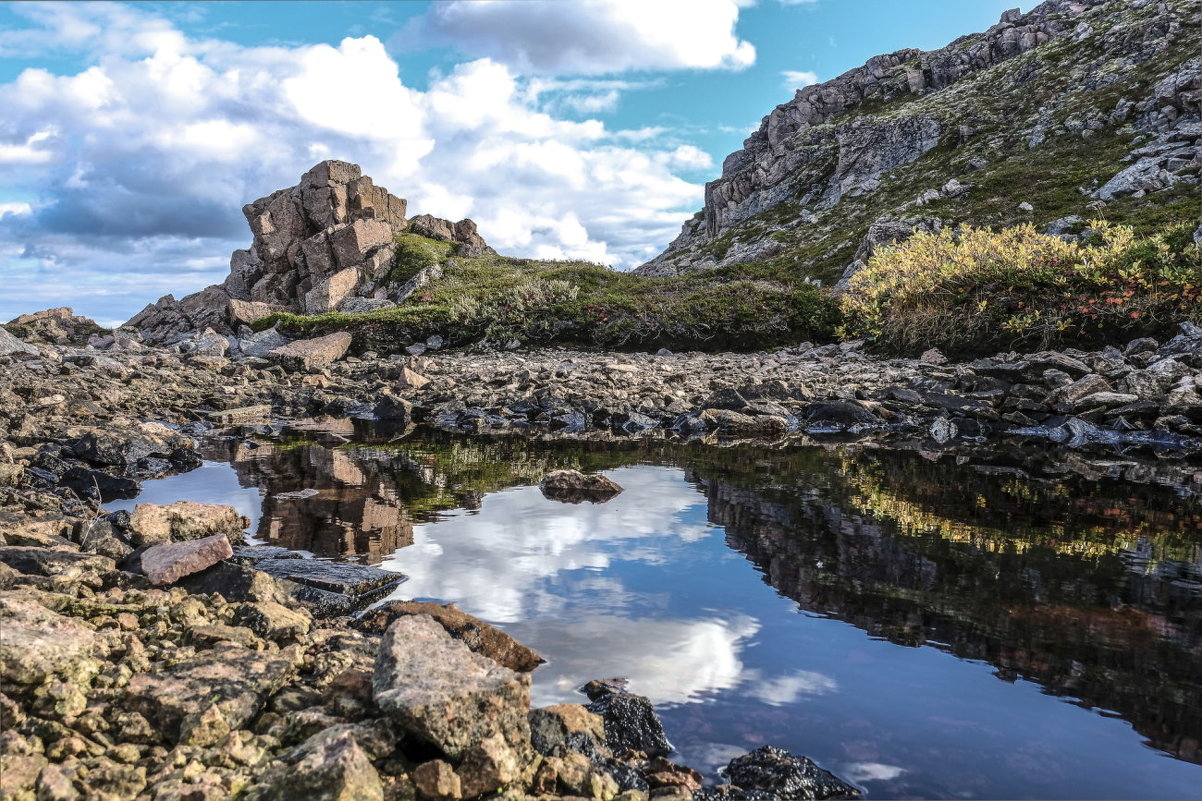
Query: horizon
x=137, y=133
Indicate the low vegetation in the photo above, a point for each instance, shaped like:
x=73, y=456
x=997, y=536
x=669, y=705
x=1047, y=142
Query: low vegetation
x=501, y=300
x=973, y=291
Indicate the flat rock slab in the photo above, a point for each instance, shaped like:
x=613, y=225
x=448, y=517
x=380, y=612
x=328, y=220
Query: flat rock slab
x=438, y=689
x=306, y=354
x=345, y=578
x=199, y=701
x=481, y=637
x=53, y=561
x=38, y=644
x=171, y=561
x=243, y=415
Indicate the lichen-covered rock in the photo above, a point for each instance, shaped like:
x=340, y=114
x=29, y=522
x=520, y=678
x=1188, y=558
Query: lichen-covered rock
x=37, y=644
x=184, y=520
x=329, y=766
x=438, y=689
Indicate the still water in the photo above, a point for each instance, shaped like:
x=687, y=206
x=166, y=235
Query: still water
x=1001, y=625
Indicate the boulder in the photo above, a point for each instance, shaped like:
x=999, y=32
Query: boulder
x=572, y=486
x=38, y=644
x=567, y=727
x=310, y=354
x=435, y=687
x=477, y=635
x=199, y=701
x=11, y=346
x=170, y=561
x=787, y=777
x=630, y=720
x=184, y=520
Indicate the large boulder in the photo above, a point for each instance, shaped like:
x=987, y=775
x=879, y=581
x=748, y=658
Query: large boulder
x=309, y=354
x=151, y=524
x=439, y=690
x=481, y=637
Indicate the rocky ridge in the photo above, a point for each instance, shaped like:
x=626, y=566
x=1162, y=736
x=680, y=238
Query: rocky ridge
x=325, y=244
x=1076, y=89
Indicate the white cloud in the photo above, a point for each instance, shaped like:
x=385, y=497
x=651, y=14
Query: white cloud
x=15, y=208
x=861, y=772
x=799, y=79
x=593, y=37
x=788, y=688
x=140, y=164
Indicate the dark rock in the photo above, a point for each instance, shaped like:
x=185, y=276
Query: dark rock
x=841, y=414
x=788, y=777
x=99, y=485
x=234, y=582
x=630, y=720
x=572, y=486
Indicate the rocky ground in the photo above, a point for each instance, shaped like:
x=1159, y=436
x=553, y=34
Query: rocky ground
x=154, y=655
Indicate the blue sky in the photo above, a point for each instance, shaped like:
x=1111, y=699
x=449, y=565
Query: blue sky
x=566, y=128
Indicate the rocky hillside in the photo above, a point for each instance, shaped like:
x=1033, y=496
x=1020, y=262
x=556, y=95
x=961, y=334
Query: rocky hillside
x=328, y=243
x=1076, y=109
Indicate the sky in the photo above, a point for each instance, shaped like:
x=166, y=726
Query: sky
x=132, y=134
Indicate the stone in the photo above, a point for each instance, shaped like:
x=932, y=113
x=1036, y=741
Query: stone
x=243, y=415
x=199, y=701
x=933, y=356
x=11, y=346
x=246, y=312
x=567, y=727
x=572, y=486
x=411, y=380
x=731, y=422
x=261, y=344
x=477, y=635
x=437, y=781
x=272, y=620
x=353, y=243
x=1065, y=398
x=435, y=687
x=38, y=644
x=840, y=414
x=630, y=720
x=332, y=292
x=943, y=430
x=787, y=777
x=171, y=561
x=390, y=407
x=489, y=766
x=309, y=354
x=331, y=588
x=329, y=766
x=184, y=520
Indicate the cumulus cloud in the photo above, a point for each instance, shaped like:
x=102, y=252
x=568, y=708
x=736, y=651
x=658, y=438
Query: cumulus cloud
x=799, y=79
x=130, y=175
x=592, y=37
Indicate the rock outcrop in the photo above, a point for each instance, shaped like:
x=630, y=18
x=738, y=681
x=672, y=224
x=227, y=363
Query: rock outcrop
x=1099, y=70
x=325, y=244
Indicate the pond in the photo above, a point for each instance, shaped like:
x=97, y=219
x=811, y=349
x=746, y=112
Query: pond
x=1005, y=625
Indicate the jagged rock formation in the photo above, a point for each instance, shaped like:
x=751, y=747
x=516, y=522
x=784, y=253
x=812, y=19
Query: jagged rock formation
x=325, y=244
x=1072, y=88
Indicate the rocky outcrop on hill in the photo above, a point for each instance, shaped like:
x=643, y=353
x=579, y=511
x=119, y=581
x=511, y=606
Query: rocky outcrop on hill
x=1120, y=74
x=325, y=244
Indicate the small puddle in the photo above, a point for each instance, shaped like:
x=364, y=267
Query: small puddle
x=919, y=625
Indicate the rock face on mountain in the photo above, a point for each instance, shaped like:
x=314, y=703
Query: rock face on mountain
x=1052, y=103
x=324, y=243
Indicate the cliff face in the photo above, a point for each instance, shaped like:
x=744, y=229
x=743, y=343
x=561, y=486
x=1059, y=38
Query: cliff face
x=1075, y=102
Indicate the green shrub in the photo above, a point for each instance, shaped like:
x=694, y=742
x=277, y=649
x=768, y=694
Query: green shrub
x=973, y=290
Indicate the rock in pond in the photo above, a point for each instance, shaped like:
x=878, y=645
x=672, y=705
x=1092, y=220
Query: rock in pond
x=572, y=486
x=481, y=637
x=630, y=720
x=787, y=777
x=436, y=688
x=331, y=588
x=184, y=520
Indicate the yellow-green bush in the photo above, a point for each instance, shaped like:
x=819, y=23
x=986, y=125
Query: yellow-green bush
x=975, y=290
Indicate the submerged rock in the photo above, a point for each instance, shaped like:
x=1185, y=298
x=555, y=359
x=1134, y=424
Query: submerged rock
x=785, y=776
x=572, y=486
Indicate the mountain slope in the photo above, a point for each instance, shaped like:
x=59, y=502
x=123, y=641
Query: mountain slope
x=1035, y=120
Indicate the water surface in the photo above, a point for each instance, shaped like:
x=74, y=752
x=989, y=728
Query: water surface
x=1003, y=626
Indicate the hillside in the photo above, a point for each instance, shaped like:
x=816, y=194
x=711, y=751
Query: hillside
x=1073, y=111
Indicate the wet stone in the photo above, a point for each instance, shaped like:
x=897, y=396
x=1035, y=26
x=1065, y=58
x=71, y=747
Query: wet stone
x=572, y=486
x=788, y=777
x=630, y=720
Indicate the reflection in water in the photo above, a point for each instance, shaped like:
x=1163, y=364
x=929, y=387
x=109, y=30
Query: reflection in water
x=1080, y=575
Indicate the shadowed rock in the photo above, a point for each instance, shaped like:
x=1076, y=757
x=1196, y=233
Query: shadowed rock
x=787, y=777
x=630, y=720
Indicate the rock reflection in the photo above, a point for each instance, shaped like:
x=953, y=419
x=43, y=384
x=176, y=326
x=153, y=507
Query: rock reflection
x=1079, y=573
